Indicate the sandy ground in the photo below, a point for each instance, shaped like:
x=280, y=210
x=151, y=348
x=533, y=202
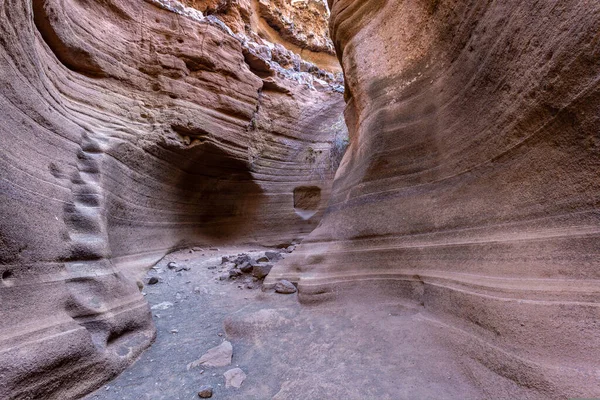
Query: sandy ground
x=367, y=350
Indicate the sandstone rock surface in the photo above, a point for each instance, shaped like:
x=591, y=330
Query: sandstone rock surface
x=128, y=129
x=219, y=356
x=234, y=377
x=471, y=182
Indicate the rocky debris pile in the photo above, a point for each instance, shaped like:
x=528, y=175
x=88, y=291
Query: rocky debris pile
x=248, y=268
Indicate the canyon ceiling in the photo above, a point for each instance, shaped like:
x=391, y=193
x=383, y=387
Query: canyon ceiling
x=471, y=184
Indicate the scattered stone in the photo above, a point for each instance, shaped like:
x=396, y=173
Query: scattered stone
x=214, y=249
x=219, y=356
x=263, y=260
x=153, y=281
x=205, y=392
x=174, y=330
x=273, y=255
x=245, y=267
x=224, y=259
x=285, y=287
x=234, y=273
x=212, y=267
x=183, y=268
x=243, y=258
x=234, y=378
x=197, y=249
x=197, y=289
x=162, y=306
x=140, y=285
x=172, y=265
x=224, y=277
x=291, y=248
x=260, y=271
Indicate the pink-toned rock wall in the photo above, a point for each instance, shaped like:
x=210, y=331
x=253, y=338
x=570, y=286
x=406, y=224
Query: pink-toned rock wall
x=128, y=130
x=471, y=185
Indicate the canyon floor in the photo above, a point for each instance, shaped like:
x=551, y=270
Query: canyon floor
x=288, y=350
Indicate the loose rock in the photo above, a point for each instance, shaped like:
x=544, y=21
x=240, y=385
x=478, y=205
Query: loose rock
x=243, y=258
x=172, y=265
x=285, y=287
x=234, y=378
x=245, y=267
x=263, y=259
x=260, y=271
x=205, y=392
x=153, y=281
x=219, y=356
x=234, y=273
x=273, y=255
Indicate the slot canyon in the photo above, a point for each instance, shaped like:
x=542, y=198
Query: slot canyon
x=299, y=199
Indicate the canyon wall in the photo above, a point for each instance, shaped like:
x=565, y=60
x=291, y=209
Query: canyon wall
x=471, y=184
x=128, y=129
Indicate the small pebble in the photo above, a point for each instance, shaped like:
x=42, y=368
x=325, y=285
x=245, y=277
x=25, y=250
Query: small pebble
x=153, y=281
x=205, y=392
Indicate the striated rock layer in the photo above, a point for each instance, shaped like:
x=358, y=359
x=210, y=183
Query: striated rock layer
x=471, y=182
x=128, y=129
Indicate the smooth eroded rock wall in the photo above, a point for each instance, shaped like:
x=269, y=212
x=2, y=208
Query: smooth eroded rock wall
x=128, y=129
x=471, y=182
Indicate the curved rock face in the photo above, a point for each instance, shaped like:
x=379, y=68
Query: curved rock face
x=129, y=129
x=298, y=25
x=471, y=182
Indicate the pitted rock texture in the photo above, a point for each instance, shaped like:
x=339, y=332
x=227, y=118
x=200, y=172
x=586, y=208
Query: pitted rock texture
x=471, y=182
x=129, y=130
x=301, y=26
